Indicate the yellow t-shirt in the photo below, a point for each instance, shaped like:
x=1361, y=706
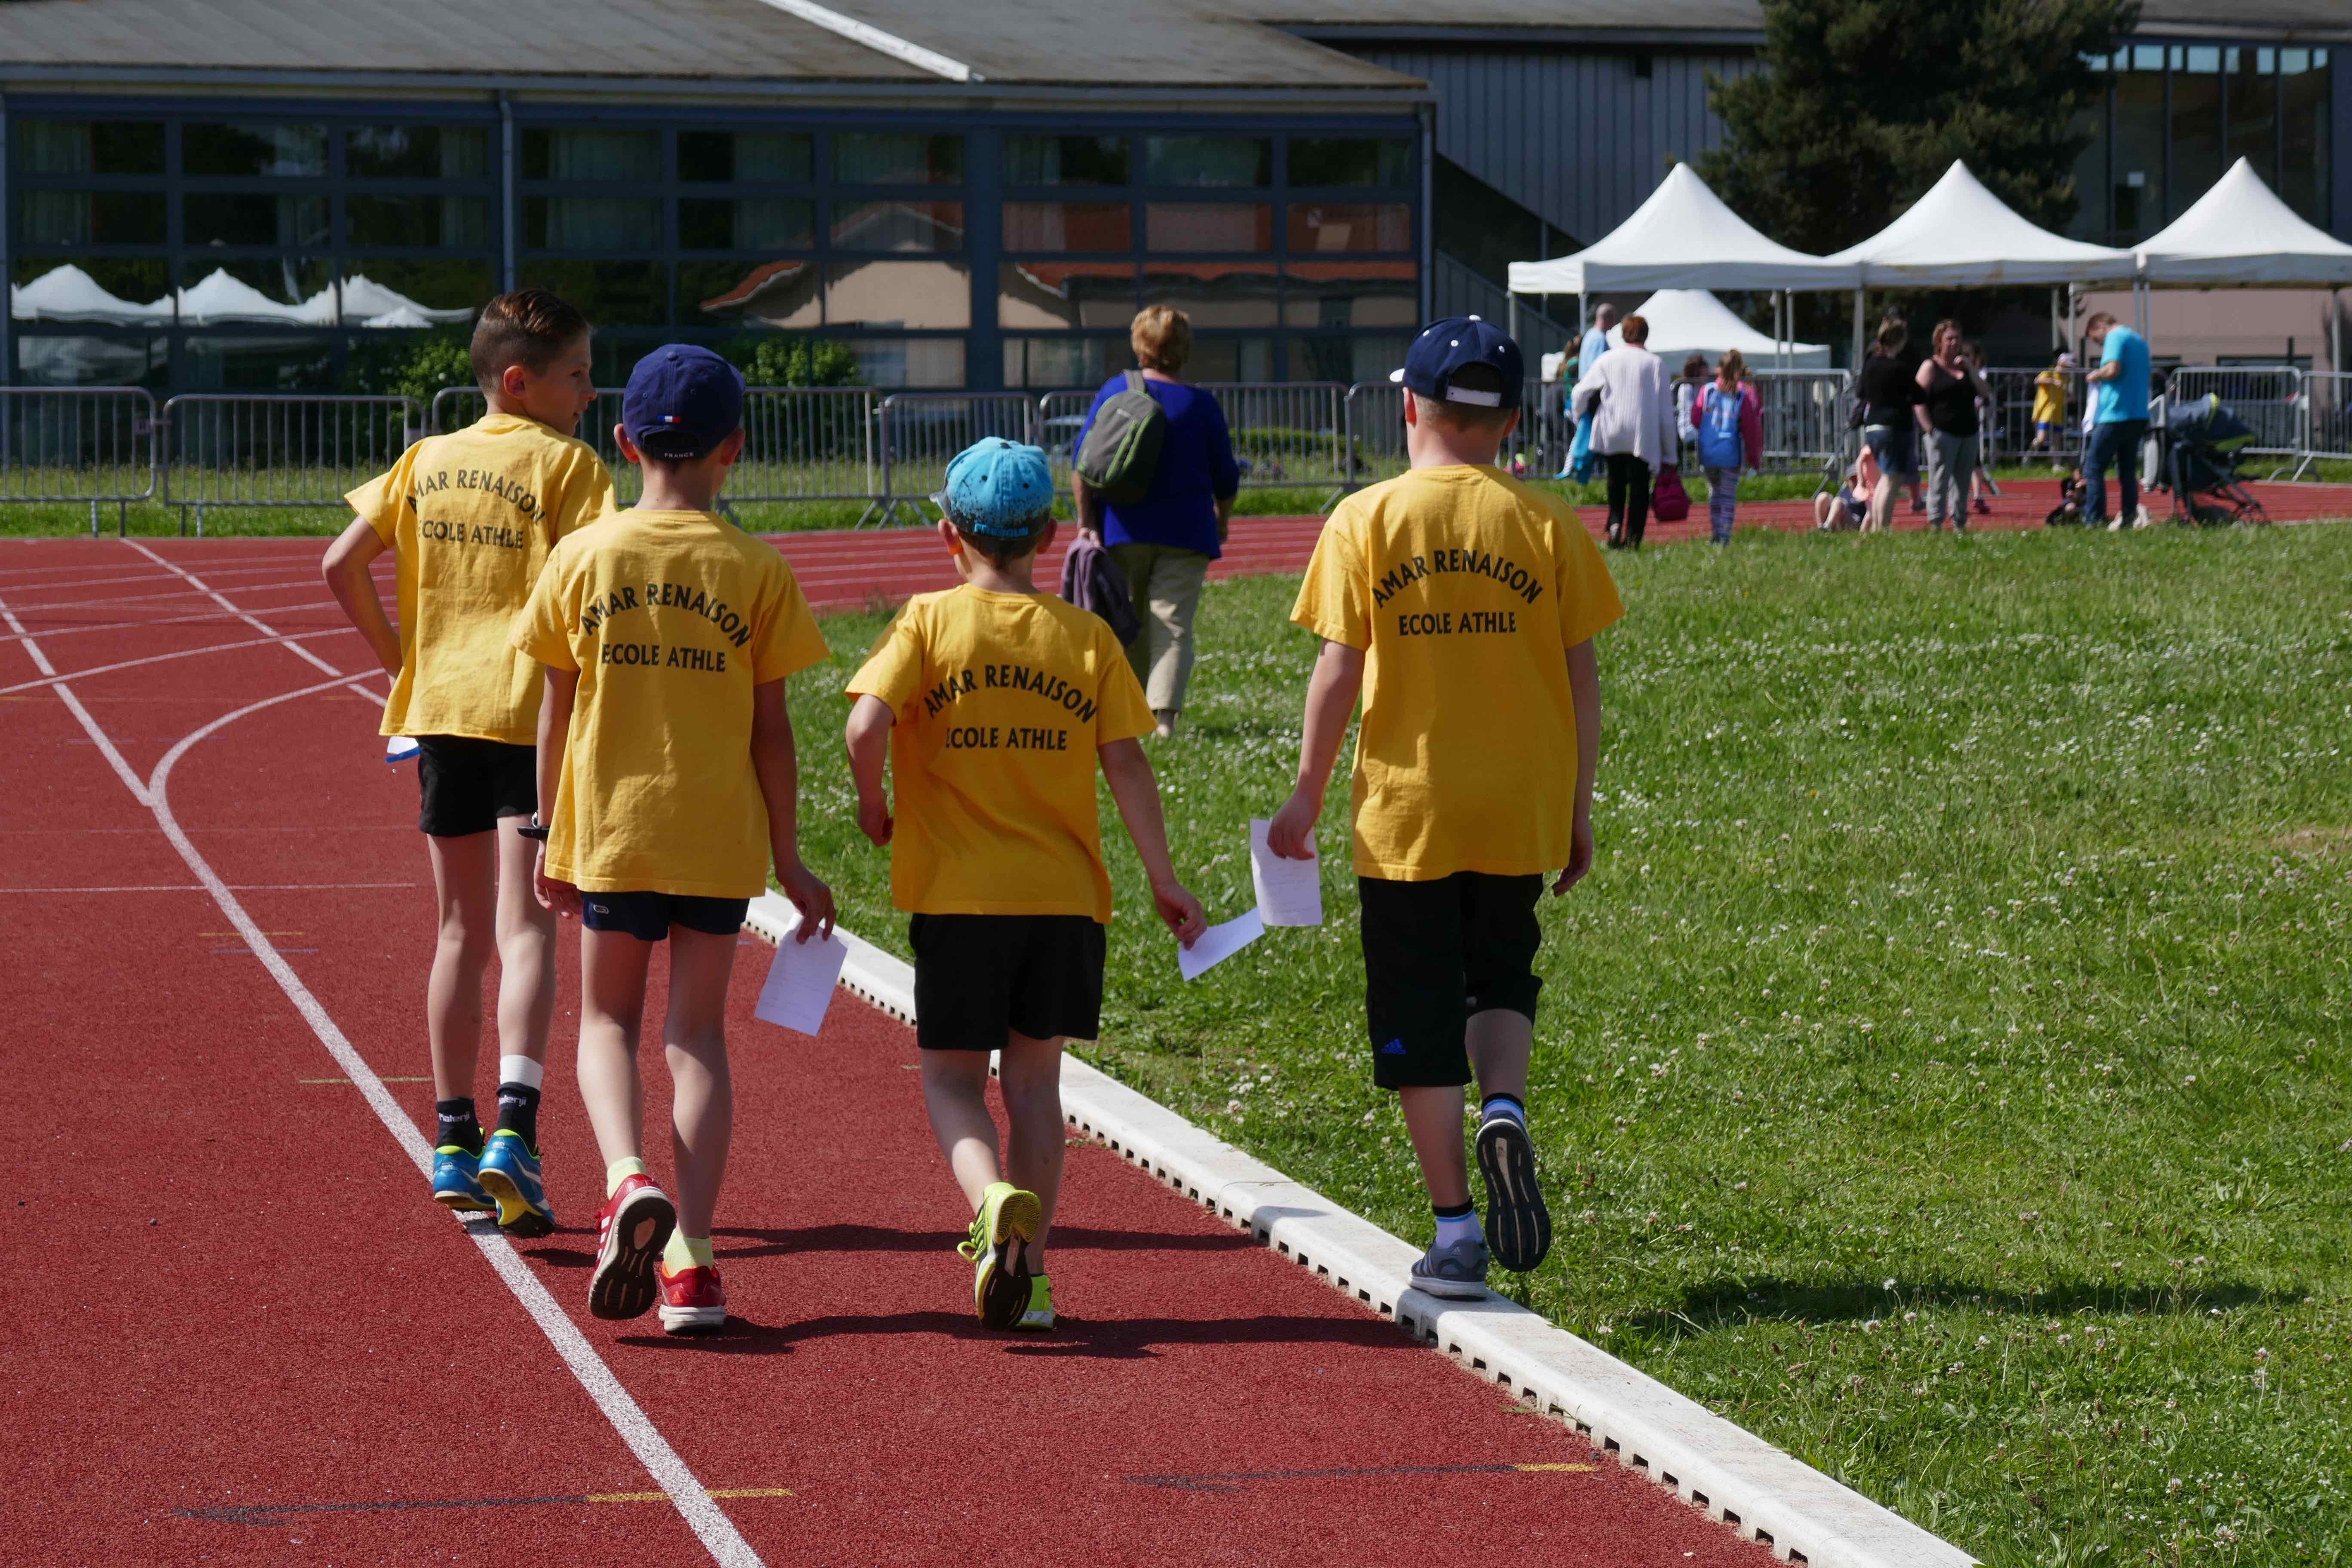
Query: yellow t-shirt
x=1002, y=701
x=1465, y=588
x=2050, y=397
x=671, y=618
x=470, y=518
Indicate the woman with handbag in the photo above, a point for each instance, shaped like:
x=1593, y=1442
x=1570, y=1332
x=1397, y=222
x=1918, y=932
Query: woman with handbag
x=1626, y=397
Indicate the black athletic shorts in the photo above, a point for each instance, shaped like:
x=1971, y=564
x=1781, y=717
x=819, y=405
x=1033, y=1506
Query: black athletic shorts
x=467, y=784
x=978, y=977
x=648, y=916
x=1435, y=952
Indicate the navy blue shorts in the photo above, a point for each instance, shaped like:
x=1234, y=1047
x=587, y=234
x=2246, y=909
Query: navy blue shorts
x=648, y=916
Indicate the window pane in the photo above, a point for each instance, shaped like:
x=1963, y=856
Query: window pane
x=263, y=148
x=303, y=363
x=897, y=294
x=1208, y=159
x=752, y=224
x=897, y=225
x=587, y=154
x=2196, y=125
x=1351, y=161
x=49, y=291
x=256, y=289
x=1069, y=226
x=417, y=220
x=908, y=361
x=2306, y=171
x=1231, y=359
x=97, y=217
x=417, y=151
x=1044, y=362
x=427, y=282
x=1062, y=294
x=868, y=158
x=77, y=361
x=2090, y=220
x=89, y=147
x=716, y=156
x=590, y=223
x=773, y=293
x=2253, y=111
x=1202, y=225
x=1348, y=359
x=624, y=293
x=1066, y=161
x=1335, y=294
x=216, y=219
x=1351, y=226
x=2140, y=206
x=1213, y=293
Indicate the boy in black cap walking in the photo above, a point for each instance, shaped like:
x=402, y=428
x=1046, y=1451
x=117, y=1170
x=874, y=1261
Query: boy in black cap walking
x=1461, y=605
x=665, y=755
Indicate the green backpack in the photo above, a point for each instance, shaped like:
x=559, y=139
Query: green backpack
x=1122, y=453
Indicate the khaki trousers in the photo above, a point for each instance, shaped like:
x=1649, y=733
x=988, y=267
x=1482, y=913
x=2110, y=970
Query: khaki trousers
x=1165, y=583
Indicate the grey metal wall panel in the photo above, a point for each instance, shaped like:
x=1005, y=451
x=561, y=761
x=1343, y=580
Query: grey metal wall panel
x=1574, y=135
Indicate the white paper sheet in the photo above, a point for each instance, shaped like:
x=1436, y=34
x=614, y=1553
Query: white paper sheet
x=1289, y=892
x=1219, y=944
x=399, y=748
x=800, y=983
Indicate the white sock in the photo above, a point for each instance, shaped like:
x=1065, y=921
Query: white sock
x=522, y=1070
x=1452, y=1228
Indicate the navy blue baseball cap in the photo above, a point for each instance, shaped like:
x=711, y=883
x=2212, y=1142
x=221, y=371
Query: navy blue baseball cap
x=682, y=401
x=1446, y=346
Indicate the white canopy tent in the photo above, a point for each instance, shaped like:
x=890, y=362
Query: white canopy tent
x=66, y=293
x=2239, y=235
x=1684, y=322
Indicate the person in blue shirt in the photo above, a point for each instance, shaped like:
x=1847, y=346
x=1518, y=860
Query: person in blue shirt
x=2119, y=419
x=1165, y=541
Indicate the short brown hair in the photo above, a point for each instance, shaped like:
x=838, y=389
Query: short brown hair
x=1475, y=416
x=2101, y=318
x=999, y=548
x=529, y=327
x=1161, y=336
x=1634, y=329
x=1892, y=335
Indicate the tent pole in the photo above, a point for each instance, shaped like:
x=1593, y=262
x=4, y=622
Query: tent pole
x=1854, y=365
x=2057, y=337
x=2335, y=330
x=1514, y=316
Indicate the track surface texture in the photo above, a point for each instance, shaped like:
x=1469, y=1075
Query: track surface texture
x=240, y=1332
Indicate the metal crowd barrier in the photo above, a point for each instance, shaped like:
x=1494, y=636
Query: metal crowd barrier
x=77, y=445
x=2326, y=420
x=2010, y=435
x=231, y=450
x=1805, y=426
x=1375, y=423
x=2269, y=397
x=1284, y=434
x=921, y=431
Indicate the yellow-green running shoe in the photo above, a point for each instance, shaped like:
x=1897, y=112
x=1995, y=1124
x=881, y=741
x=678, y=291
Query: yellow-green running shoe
x=1040, y=1312
x=1006, y=1215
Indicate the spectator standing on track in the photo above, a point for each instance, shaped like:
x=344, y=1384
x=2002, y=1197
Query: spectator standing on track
x=1949, y=389
x=1626, y=397
x=993, y=702
x=1730, y=434
x=2052, y=390
x=1461, y=605
x=666, y=751
x=471, y=518
x=1889, y=392
x=1165, y=541
x=2119, y=394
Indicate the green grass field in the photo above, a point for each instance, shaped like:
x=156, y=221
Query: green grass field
x=1941, y=1073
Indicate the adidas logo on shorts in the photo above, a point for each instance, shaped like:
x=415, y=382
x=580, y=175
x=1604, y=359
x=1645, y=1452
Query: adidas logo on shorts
x=1393, y=1049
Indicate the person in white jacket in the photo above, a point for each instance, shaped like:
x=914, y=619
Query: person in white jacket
x=1631, y=407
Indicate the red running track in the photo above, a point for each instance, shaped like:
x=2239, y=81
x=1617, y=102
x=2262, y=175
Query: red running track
x=848, y=569
x=240, y=1332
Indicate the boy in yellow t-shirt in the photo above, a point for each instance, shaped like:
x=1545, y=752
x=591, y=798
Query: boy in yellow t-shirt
x=470, y=518
x=1462, y=605
x=2051, y=390
x=666, y=753
x=993, y=702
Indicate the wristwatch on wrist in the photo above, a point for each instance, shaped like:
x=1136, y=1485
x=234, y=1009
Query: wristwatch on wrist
x=535, y=829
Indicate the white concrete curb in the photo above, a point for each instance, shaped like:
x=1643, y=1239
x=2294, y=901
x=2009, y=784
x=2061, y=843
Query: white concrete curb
x=1733, y=1474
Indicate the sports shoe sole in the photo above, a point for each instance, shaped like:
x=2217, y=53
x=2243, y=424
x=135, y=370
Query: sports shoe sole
x=527, y=1222
x=465, y=1203
x=692, y=1319
x=1519, y=1226
x=1449, y=1290
x=624, y=1285
x=999, y=1295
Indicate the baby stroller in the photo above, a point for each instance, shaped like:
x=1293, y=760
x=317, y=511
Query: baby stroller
x=2202, y=442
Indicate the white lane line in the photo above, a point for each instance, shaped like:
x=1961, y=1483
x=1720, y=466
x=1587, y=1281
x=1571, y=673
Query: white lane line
x=257, y=624
x=199, y=615
x=75, y=583
x=704, y=1517
x=169, y=657
x=115, y=600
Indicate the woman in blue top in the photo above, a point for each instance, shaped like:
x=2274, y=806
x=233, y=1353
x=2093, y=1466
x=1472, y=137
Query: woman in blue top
x=1165, y=541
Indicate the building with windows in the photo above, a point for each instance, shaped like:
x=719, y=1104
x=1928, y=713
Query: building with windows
x=253, y=195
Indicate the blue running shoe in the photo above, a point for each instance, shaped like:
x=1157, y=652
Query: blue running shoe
x=511, y=1174
x=457, y=1183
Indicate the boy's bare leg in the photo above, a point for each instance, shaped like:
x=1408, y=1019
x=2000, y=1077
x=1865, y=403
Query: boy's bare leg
x=465, y=880
x=1500, y=1042
x=612, y=1012
x=1432, y=1118
x=526, y=950
x=1029, y=1073
x=702, y=1094
x=955, y=1096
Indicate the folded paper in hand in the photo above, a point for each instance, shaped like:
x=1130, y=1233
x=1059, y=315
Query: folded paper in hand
x=800, y=983
x=1219, y=944
x=1289, y=892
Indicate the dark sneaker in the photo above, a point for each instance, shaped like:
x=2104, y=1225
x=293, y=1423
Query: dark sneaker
x=1457, y=1272
x=1519, y=1226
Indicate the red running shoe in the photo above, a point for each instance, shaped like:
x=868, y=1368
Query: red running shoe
x=692, y=1300
x=631, y=1231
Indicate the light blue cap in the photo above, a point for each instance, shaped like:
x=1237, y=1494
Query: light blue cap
x=997, y=488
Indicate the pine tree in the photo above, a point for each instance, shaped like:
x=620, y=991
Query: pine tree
x=1862, y=104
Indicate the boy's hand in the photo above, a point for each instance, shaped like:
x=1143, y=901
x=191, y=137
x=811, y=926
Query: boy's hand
x=810, y=896
x=1291, y=833
x=1181, y=910
x=561, y=897
x=874, y=818
x=1579, y=857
